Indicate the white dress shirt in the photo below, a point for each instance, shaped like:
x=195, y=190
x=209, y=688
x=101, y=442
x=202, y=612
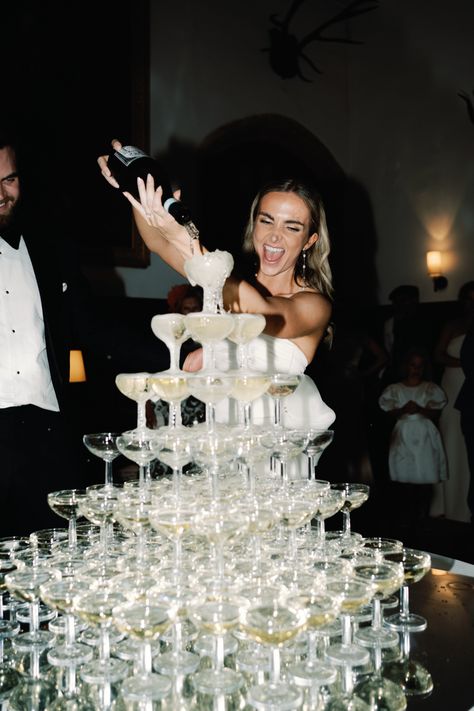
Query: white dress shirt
x=25, y=378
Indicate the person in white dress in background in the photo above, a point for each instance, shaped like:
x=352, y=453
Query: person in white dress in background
x=416, y=452
x=450, y=497
x=292, y=287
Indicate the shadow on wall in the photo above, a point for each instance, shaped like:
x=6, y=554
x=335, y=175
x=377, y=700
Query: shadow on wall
x=237, y=159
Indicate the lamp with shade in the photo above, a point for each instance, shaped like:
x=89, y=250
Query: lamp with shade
x=434, y=261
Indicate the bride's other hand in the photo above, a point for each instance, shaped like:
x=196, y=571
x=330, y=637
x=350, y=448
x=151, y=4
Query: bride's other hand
x=150, y=207
x=103, y=164
x=193, y=361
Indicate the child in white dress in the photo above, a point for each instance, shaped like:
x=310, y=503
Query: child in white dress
x=416, y=453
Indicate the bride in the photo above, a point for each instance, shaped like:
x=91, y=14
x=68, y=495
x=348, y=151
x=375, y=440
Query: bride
x=292, y=288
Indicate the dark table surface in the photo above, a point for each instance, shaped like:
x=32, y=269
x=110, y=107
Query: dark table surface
x=446, y=647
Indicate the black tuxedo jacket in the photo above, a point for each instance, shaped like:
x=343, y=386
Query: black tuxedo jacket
x=73, y=317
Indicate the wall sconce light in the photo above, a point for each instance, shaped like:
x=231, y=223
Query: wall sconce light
x=77, y=371
x=434, y=264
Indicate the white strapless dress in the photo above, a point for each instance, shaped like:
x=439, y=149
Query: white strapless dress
x=303, y=409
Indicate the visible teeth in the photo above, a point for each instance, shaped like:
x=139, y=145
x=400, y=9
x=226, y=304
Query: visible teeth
x=273, y=249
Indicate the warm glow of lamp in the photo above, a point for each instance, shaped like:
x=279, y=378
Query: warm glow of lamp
x=434, y=263
x=77, y=372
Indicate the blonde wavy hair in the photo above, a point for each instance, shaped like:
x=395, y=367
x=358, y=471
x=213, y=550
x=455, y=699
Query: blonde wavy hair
x=317, y=274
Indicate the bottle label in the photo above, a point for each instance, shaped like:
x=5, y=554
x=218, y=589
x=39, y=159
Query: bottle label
x=127, y=154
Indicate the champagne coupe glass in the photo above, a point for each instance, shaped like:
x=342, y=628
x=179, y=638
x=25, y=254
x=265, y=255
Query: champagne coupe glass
x=318, y=440
x=217, y=615
x=387, y=578
x=25, y=585
x=95, y=608
x=98, y=507
x=274, y=624
x=65, y=503
x=59, y=594
x=208, y=329
x=171, y=329
x=171, y=386
x=246, y=328
x=173, y=519
x=136, y=386
x=282, y=385
x=355, y=495
x=246, y=388
x=137, y=445
x=311, y=672
x=354, y=594
x=131, y=511
x=328, y=504
x=284, y=444
x=144, y=621
x=174, y=448
x=210, y=271
x=415, y=566
x=8, y=627
x=210, y=388
x=220, y=524
x=103, y=445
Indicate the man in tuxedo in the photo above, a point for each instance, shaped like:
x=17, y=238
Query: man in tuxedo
x=46, y=308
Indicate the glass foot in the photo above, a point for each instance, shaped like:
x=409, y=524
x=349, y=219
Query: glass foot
x=373, y=637
x=71, y=655
x=275, y=696
x=145, y=687
x=406, y=623
x=350, y=654
x=27, y=641
x=312, y=674
x=173, y=663
x=108, y=672
x=213, y=681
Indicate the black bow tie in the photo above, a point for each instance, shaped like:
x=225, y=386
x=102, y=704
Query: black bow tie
x=12, y=235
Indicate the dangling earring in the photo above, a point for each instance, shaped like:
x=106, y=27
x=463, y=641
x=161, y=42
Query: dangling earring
x=303, y=268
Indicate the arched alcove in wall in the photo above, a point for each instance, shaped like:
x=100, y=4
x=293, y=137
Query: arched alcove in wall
x=237, y=158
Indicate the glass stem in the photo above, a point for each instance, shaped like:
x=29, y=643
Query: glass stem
x=70, y=625
x=177, y=637
x=276, y=665
x=210, y=416
x=147, y=658
x=405, y=603
x=108, y=473
x=174, y=418
x=311, y=467
x=71, y=681
x=35, y=663
x=34, y=616
x=141, y=415
x=277, y=412
x=346, y=522
x=346, y=629
x=72, y=532
x=312, y=646
x=178, y=552
x=219, y=662
x=376, y=613
x=104, y=645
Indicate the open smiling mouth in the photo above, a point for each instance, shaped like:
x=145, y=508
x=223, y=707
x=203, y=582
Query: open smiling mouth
x=272, y=254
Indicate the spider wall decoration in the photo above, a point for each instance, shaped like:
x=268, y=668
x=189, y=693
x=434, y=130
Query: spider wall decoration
x=286, y=51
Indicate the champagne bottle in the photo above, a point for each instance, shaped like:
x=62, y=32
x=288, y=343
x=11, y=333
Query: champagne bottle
x=130, y=163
